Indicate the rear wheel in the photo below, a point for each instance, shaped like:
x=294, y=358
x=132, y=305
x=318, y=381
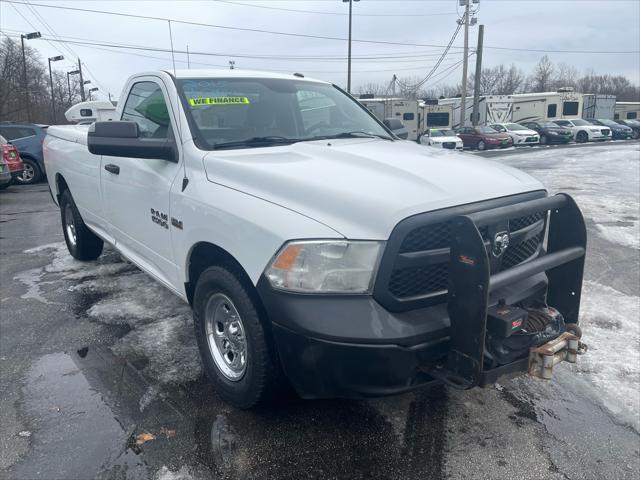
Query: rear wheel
x=82, y=243
x=582, y=137
x=234, y=344
x=31, y=173
x=482, y=145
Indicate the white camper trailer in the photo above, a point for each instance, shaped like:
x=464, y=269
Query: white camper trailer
x=532, y=107
x=491, y=109
x=89, y=112
x=435, y=116
x=407, y=111
x=627, y=111
x=596, y=105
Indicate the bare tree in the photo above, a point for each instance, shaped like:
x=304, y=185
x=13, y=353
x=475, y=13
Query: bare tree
x=541, y=79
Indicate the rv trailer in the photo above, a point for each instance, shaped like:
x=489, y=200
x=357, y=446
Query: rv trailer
x=596, y=105
x=627, y=111
x=435, y=116
x=532, y=107
x=88, y=112
x=407, y=111
x=491, y=109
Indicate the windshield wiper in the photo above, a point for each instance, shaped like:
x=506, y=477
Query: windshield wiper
x=358, y=134
x=257, y=142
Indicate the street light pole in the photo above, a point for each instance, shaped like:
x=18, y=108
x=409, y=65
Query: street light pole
x=349, y=55
x=69, y=85
x=53, y=99
x=28, y=36
x=81, y=82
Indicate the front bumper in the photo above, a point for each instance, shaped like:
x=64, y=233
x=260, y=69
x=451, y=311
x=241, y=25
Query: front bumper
x=350, y=346
x=526, y=140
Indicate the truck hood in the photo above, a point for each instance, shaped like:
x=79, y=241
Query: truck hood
x=362, y=188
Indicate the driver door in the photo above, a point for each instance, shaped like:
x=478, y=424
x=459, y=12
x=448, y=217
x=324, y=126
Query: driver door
x=137, y=191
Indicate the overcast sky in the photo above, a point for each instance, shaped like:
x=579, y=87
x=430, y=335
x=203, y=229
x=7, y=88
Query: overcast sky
x=594, y=25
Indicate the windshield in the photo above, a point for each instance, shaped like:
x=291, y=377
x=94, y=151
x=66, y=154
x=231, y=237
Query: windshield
x=256, y=112
x=442, y=133
x=515, y=126
x=485, y=130
x=549, y=124
x=581, y=123
x=610, y=123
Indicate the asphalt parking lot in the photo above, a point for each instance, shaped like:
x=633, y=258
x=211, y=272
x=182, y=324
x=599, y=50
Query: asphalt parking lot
x=95, y=356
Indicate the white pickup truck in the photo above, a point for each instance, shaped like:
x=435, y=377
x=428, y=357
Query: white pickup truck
x=314, y=246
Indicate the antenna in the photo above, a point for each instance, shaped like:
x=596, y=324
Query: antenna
x=185, y=180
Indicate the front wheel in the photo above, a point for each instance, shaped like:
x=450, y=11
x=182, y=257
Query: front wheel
x=82, y=243
x=31, y=173
x=236, y=351
x=482, y=145
x=582, y=137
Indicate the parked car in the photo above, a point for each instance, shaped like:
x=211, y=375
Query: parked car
x=27, y=138
x=483, y=138
x=618, y=132
x=397, y=127
x=519, y=134
x=5, y=174
x=584, y=131
x=11, y=157
x=316, y=248
x=441, y=137
x=550, y=132
x=633, y=124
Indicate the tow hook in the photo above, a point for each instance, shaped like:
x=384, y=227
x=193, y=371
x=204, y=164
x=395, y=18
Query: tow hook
x=542, y=359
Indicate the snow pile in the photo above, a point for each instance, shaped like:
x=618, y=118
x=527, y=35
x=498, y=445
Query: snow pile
x=166, y=474
x=610, y=326
x=604, y=181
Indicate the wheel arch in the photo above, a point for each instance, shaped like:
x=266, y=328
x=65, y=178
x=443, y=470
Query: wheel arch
x=203, y=255
x=61, y=186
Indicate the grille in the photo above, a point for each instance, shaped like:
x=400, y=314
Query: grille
x=519, y=223
x=605, y=131
x=450, y=145
x=517, y=254
x=410, y=282
x=429, y=280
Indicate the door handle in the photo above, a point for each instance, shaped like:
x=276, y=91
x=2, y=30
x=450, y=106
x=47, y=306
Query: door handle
x=111, y=168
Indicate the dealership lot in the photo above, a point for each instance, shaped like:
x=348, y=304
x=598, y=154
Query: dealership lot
x=95, y=356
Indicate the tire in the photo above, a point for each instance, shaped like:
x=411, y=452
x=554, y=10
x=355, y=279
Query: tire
x=543, y=140
x=31, y=173
x=582, y=137
x=221, y=301
x=82, y=243
x=635, y=135
x=482, y=145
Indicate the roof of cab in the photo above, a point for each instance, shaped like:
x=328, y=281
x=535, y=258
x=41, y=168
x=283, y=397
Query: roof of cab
x=237, y=73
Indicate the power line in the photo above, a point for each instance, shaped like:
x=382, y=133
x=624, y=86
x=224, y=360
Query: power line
x=315, y=12
x=302, y=35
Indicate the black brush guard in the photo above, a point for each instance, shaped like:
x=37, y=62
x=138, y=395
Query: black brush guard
x=470, y=283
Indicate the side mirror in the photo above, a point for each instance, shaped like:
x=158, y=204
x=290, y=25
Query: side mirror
x=122, y=139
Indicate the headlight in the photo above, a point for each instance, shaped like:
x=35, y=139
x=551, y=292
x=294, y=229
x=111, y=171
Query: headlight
x=594, y=129
x=325, y=266
x=551, y=132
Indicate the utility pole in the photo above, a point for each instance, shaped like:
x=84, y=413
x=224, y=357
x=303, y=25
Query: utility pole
x=28, y=36
x=53, y=97
x=476, y=84
x=349, y=55
x=81, y=81
x=188, y=60
x=463, y=100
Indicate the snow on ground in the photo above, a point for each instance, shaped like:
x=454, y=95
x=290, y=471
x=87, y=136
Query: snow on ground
x=604, y=180
x=162, y=327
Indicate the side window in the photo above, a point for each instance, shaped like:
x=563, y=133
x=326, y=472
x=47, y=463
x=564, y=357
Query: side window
x=147, y=107
x=408, y=116
x=15, y=133
x=570, y=108
x=632, y=115
x=552, y=110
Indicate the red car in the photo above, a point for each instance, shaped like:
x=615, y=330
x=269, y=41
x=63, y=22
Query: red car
x=483, y=138
x=11, y=158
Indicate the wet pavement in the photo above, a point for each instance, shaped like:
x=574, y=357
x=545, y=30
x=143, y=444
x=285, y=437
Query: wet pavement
x=95, y=358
